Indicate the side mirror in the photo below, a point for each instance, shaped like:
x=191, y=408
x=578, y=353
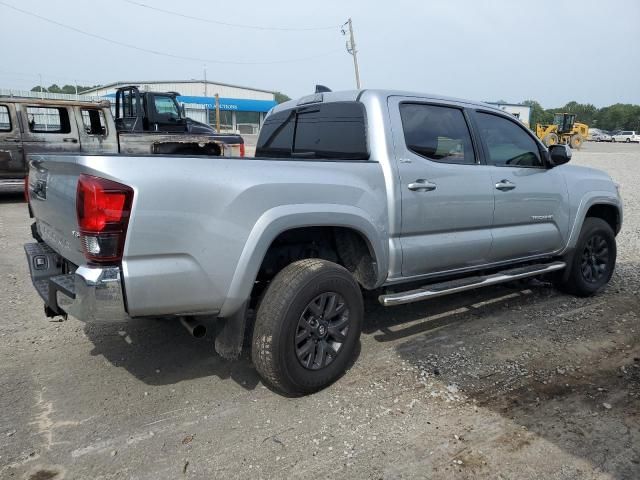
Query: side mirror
x=183, y=114
x=559, y=154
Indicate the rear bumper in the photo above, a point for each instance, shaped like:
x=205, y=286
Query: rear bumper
x=92, y=294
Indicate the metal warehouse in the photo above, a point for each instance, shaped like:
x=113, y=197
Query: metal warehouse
x=242, y=109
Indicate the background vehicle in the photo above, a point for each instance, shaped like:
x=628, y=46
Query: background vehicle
x=32, y=125
x=626, y=136
x=596, y=135
x=142, y=117
x=564, y=130
x=373, y=190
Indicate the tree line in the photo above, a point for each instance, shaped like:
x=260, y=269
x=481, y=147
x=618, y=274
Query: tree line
x=70, y=89
x=621, y=116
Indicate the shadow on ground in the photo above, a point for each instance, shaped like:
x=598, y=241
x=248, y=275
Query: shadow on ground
x=144, y=346
x=12, y=198
x=566, y=369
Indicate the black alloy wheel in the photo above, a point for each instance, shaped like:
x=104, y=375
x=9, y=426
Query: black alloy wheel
x=595, y=259
x=322, y=330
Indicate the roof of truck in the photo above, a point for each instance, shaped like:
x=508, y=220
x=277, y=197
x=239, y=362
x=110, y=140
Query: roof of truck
x=47, y=102
x=355, y=95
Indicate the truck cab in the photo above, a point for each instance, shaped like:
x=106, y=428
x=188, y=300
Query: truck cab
x=153, y=112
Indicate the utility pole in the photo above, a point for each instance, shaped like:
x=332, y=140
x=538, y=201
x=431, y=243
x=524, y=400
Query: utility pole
x=205, y=80
x=217, y=113
x=351, y=48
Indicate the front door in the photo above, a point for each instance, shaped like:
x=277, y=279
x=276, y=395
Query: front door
x=446, y=192
x=11, y=158
x=531, y=200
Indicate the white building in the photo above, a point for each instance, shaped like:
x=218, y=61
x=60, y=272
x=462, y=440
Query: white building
x=518, y=110
x=242, y=109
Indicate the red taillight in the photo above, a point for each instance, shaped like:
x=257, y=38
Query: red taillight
x=242, y=149
x=103, y=208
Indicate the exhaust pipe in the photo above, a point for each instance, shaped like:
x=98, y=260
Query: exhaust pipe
x=196, y=329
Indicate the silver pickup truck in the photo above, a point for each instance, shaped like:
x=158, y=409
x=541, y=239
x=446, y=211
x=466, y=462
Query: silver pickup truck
x=414, y=196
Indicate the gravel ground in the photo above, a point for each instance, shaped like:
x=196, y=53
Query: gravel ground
x=517, y=381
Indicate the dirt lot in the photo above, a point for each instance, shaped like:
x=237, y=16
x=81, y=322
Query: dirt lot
x=515, y=382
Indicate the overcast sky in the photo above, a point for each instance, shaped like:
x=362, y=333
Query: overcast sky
x=553, y=51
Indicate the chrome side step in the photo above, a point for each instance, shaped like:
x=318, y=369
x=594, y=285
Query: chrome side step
x=469, y=283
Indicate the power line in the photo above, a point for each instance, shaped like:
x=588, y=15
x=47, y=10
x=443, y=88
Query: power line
x=236, y=25
x=157, y=52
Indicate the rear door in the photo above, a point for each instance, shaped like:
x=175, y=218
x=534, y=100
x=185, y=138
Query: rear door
x=446, y=192
x=531, y=201
x=97, y=130
x=11, y=158
x=49, y=128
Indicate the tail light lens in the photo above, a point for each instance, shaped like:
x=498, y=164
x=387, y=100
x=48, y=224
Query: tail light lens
x=242, y=149
x=103, y=208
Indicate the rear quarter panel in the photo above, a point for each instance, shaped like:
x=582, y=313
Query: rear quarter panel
x=200, y=226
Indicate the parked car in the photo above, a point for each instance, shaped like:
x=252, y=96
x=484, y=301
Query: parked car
x=33, y=125
x=350, y=191
x=626, y=136
x=601, y=136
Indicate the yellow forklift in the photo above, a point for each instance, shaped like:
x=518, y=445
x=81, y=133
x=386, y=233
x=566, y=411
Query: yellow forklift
x=564, y=129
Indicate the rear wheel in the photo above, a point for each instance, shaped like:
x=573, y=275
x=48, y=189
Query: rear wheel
x=628, y=140
x=613, y=140
x=594, y=259
x=307, y=327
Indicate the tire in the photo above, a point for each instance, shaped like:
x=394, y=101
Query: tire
x=576, y=141
x=628, y=140
x=613, y=140
x=550, y=139
x=589, y=271
x=298, y=325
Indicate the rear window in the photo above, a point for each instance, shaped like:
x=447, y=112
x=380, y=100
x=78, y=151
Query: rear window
x=93, y=121
x=328, y=130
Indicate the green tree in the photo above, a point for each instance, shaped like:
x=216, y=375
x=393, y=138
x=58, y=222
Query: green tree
x=538, y=114
x=281, y=97
x=69, y=89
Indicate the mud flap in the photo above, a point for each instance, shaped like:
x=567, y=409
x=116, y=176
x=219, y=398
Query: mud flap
x=230, y=337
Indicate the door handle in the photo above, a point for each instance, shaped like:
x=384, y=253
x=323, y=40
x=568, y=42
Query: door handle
x=505, y=185
x=70, y=140
x=12, y=139
x=422, y=185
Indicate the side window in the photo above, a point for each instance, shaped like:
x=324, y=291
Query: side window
x=93, y=121
x=165, y=106
x=437, y=133
x=5, y=120
x=48, y=120
x=508, y=144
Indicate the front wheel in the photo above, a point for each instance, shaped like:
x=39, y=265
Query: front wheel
x=307, y=327
x=628, y=140
x=593, y=261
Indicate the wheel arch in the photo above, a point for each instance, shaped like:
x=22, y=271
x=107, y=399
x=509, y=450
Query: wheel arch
x=349, y=223
x=601, y=205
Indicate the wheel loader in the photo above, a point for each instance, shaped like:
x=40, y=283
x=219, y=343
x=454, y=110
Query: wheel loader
x=564, y=129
